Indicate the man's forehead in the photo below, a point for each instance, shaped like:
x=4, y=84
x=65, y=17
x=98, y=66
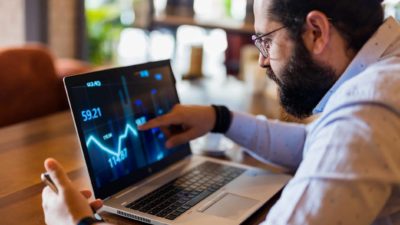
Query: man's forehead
x=261, y=4
x=263, y=23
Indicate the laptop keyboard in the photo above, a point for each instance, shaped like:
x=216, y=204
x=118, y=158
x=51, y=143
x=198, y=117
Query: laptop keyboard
x=181, y=194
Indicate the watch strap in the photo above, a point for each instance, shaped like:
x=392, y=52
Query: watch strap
x=88, y=221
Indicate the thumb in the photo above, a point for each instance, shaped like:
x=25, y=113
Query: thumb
x=57, y=173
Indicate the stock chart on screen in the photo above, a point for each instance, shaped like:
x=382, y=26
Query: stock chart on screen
x=111, y=108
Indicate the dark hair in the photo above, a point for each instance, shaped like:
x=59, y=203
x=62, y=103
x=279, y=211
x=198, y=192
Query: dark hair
x=356, y=20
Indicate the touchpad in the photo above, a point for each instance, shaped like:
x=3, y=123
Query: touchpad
x=231, y=206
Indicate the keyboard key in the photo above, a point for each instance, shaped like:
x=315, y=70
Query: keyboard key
x=171, y=217
x=162, y=213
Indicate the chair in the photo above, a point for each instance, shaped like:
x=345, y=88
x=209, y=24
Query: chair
x=29, y=85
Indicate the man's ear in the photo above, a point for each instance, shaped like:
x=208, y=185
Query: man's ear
x=317, y=32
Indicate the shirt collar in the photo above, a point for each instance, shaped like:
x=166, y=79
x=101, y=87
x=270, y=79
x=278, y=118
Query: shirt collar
x=371, y=52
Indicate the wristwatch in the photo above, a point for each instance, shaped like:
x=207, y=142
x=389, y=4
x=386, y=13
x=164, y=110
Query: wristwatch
x=89, y=221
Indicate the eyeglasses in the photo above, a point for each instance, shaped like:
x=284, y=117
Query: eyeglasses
x=262, y=44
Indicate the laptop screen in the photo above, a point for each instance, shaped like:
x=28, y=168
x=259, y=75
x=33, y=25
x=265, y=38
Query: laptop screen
x=107, y=107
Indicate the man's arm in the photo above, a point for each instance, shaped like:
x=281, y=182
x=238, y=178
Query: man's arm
x=275, y=142
x=350, y=167
x=272, y=141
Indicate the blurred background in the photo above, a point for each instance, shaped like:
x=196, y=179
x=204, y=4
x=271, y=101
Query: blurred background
x=208, y=41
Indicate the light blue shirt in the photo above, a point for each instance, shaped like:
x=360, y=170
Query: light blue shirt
x=347, y=162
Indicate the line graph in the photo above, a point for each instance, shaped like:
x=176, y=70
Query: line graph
x=110, y=113
x=128, y=129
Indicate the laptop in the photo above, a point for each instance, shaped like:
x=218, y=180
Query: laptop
x=132, y=171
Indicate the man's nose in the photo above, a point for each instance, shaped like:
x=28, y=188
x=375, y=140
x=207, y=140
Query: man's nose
x=263, y=61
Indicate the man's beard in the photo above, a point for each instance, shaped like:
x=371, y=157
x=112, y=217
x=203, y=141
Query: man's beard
x=303, y=82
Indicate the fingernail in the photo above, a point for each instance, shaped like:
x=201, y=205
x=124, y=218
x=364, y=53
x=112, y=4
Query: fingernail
x=51, y=165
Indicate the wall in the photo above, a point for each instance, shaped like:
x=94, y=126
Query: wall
x=62, y=27
x=12, y=22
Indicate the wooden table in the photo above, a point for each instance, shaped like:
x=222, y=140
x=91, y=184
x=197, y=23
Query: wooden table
x=25, y=146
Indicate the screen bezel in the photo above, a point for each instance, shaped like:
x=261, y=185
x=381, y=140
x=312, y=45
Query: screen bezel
x=136, y=176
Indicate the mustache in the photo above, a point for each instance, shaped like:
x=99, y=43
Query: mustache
x=270, y=73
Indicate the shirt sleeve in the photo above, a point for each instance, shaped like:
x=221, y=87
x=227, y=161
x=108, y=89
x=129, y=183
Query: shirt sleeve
x=350, y=168
x=269, y=141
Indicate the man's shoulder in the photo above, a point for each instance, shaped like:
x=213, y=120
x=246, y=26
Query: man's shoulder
x=379, y=84
x=378, y=87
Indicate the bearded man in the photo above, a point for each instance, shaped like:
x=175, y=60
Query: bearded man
x=336, y=58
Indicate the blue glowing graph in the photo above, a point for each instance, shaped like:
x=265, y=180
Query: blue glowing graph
x=118, y=155
x=122, y=137
x=123, y=102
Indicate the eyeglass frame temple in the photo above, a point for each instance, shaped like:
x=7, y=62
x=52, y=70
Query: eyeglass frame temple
x=255, y=37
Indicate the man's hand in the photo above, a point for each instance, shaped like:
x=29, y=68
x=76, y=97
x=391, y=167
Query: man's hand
x=69, y=206
x=195, y=120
